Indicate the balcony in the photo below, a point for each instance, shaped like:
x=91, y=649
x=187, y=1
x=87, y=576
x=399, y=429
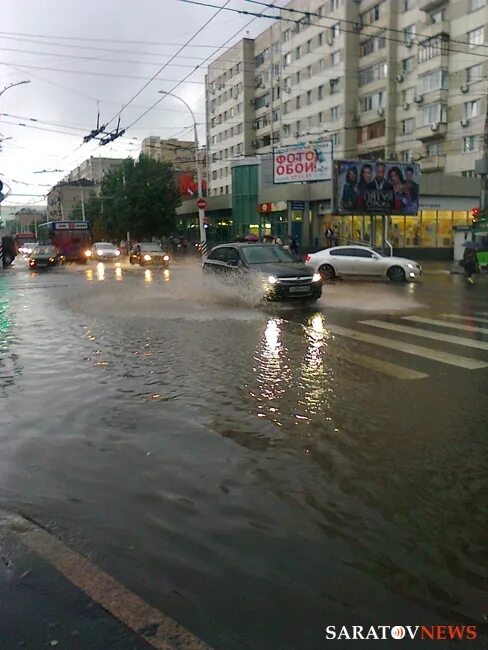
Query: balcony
x=428, y=5
x=433, y=163
x=431, y=131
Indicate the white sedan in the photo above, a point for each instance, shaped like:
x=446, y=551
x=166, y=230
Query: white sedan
x=104, y=252
x=362, y=261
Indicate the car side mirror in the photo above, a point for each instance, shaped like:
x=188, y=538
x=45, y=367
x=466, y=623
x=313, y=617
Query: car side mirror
x=233, y=262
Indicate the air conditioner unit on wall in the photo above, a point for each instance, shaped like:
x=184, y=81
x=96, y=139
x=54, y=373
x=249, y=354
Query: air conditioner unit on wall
x=418, y=99
x=464, y=122
x=400, y=78
x=464, y=88
x=434, y=126
x=409, y=44
x=405, y=106
x=381, y=111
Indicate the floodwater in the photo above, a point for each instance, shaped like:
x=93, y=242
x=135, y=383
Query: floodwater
x=230, y=464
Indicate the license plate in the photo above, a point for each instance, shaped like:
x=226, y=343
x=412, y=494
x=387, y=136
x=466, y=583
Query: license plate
x=299, y=289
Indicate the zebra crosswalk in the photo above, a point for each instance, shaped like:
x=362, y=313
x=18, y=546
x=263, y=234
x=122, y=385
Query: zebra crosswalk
x=410, y=329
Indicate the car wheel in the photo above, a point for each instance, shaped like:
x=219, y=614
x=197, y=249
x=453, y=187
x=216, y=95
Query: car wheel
x=396, y=274
x=327, y=272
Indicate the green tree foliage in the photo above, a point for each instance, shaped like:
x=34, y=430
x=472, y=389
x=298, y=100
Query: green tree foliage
x=141, y=197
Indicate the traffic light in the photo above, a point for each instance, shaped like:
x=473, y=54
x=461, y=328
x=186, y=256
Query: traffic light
x=475, y=213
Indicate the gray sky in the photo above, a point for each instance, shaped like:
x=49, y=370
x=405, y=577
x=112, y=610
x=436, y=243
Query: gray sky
x=48, y=42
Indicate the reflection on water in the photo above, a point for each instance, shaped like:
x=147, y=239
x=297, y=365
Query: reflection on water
x=166, y=275
x=148, y=276
x=118, y=273
x=100, y=271
x=89, y=274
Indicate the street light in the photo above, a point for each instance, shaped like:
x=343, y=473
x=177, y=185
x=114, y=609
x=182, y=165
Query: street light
x=17, y=83
x=201, y=211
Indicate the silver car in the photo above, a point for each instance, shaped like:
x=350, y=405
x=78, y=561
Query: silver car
x=104, y=252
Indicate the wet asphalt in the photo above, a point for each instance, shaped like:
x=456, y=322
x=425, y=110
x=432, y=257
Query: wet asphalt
x=252, y=471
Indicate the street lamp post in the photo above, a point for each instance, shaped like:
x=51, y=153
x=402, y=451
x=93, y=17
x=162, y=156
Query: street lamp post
x=12, y=85
x=201, y=211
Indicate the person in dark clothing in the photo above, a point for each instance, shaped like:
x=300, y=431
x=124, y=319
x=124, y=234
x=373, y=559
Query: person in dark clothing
x=470, y=263
x=9, y=251
x=293, y=246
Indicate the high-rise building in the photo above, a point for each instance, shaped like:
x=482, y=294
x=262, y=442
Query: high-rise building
x=391, y=79
x=180, y=153
x=93, y=169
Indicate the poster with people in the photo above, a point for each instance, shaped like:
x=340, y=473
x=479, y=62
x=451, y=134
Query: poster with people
x=373, y=187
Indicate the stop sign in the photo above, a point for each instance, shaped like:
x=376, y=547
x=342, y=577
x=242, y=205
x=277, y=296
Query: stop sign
x=201, y=204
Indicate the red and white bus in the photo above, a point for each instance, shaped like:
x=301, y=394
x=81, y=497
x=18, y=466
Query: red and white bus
x=71, y=238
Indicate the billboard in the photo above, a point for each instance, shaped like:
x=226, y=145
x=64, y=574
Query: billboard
x=373, y=187
x=303, y=163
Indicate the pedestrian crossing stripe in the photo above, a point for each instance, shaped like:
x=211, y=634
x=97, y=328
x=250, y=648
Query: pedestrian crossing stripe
x=409, y=348
x=442, y=323
x=468, y=318
x=384, y=367
x=428, y=334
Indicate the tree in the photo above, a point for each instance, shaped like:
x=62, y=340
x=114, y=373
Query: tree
x=141, y=197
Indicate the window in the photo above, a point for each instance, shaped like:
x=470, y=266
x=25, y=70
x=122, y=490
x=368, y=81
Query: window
x=298, y=102
x=320, y=92
x=321, y=38
x=334, y=85
x=335, y=4
x=220, y=172
x=407, y=5
x=239, y=148
x=309, y=72
x=286, y=130
x=335, y=30
x=437, y=17
x=287, y=59
x=432, y=47
x=435, y=149
x=476, y=37
x=321, y=117
x=214, y=175
x=407, y=95
x=309, y=122
x=373, y=73
x=373, y=44
x=409, y=34
x=434, y=80
x=335, y=138
x=407, y=64
x=322, y=65
x=336, y=57
x=476, y=4
x=298, y=52
x=406, y=155
x=470, y=143
x=309, y=46
x=298, y=126
x=472, y=109
x=372, y=15
x=474, y=73
x=309, y=97
x=408, y=125
x=298, y=77
x=335, y=112
x=433, y=114
x=287, y=35
x=371, y=102
x=259, y=102
x=371, y=131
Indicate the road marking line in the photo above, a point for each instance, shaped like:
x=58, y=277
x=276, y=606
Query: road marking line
x=162, y=632
x=428, y=334
x=443, y=323
x=385, y=367
x=467, y=318
x=409, y=348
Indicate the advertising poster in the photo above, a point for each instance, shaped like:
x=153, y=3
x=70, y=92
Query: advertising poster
x=371, y=187
x=303, y=163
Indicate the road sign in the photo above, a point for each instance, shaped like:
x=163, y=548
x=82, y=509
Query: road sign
x=2, y=196
x=201, y=204
x=1, y=186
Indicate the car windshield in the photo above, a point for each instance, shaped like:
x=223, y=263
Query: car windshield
x=266, y=254
x=44, y=250
x=152, y=248
x=105, y=246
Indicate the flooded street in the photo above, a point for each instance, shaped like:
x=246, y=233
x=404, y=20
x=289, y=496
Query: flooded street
x=255, y=472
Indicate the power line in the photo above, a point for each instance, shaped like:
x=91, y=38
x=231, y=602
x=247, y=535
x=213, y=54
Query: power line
x=180, y=49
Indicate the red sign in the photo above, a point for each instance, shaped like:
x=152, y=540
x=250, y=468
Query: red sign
x=201, y=204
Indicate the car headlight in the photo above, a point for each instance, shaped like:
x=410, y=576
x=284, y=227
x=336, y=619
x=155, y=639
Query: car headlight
x=88, y=253
x=410, y=266
x=147, y=258
x=51, y=259
x=117, y=253
x=316, y=277
x=166, y=258
x=31, y=262
x=272, y=279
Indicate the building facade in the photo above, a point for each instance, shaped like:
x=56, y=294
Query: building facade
x=64, y=198
x=180, y=153
x=386, y=79
x=93, y=169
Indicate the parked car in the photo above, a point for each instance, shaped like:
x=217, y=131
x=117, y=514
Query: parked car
x=104, y=252
x=362, y=261
x=148, y=253
x=273, y=271
x=43, y=257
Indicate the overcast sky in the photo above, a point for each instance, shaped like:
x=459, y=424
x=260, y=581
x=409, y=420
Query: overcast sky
x=75, y=53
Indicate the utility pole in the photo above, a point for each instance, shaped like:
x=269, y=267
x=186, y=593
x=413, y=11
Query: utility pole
x=484, y=178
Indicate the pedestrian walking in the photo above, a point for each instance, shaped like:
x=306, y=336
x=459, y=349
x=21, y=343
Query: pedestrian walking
x=292, y=245
x=470, y=263
x=329, y=235
x=278, y=241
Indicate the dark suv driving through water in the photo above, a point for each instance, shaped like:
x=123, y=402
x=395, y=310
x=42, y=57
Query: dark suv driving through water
x=271, y=269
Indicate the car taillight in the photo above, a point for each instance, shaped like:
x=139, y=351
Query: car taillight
x=308, y=258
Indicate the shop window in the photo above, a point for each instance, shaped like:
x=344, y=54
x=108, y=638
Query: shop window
x=428, y=231
x=397, y=235
x=444, y=238
x=460, y=218
x=412, y=232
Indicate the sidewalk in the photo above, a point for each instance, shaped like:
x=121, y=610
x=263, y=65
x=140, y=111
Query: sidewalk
x=51, y=597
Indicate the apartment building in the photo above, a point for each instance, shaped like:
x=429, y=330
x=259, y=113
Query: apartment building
x=180, y=153
x=388, y=79
x=93, y=169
